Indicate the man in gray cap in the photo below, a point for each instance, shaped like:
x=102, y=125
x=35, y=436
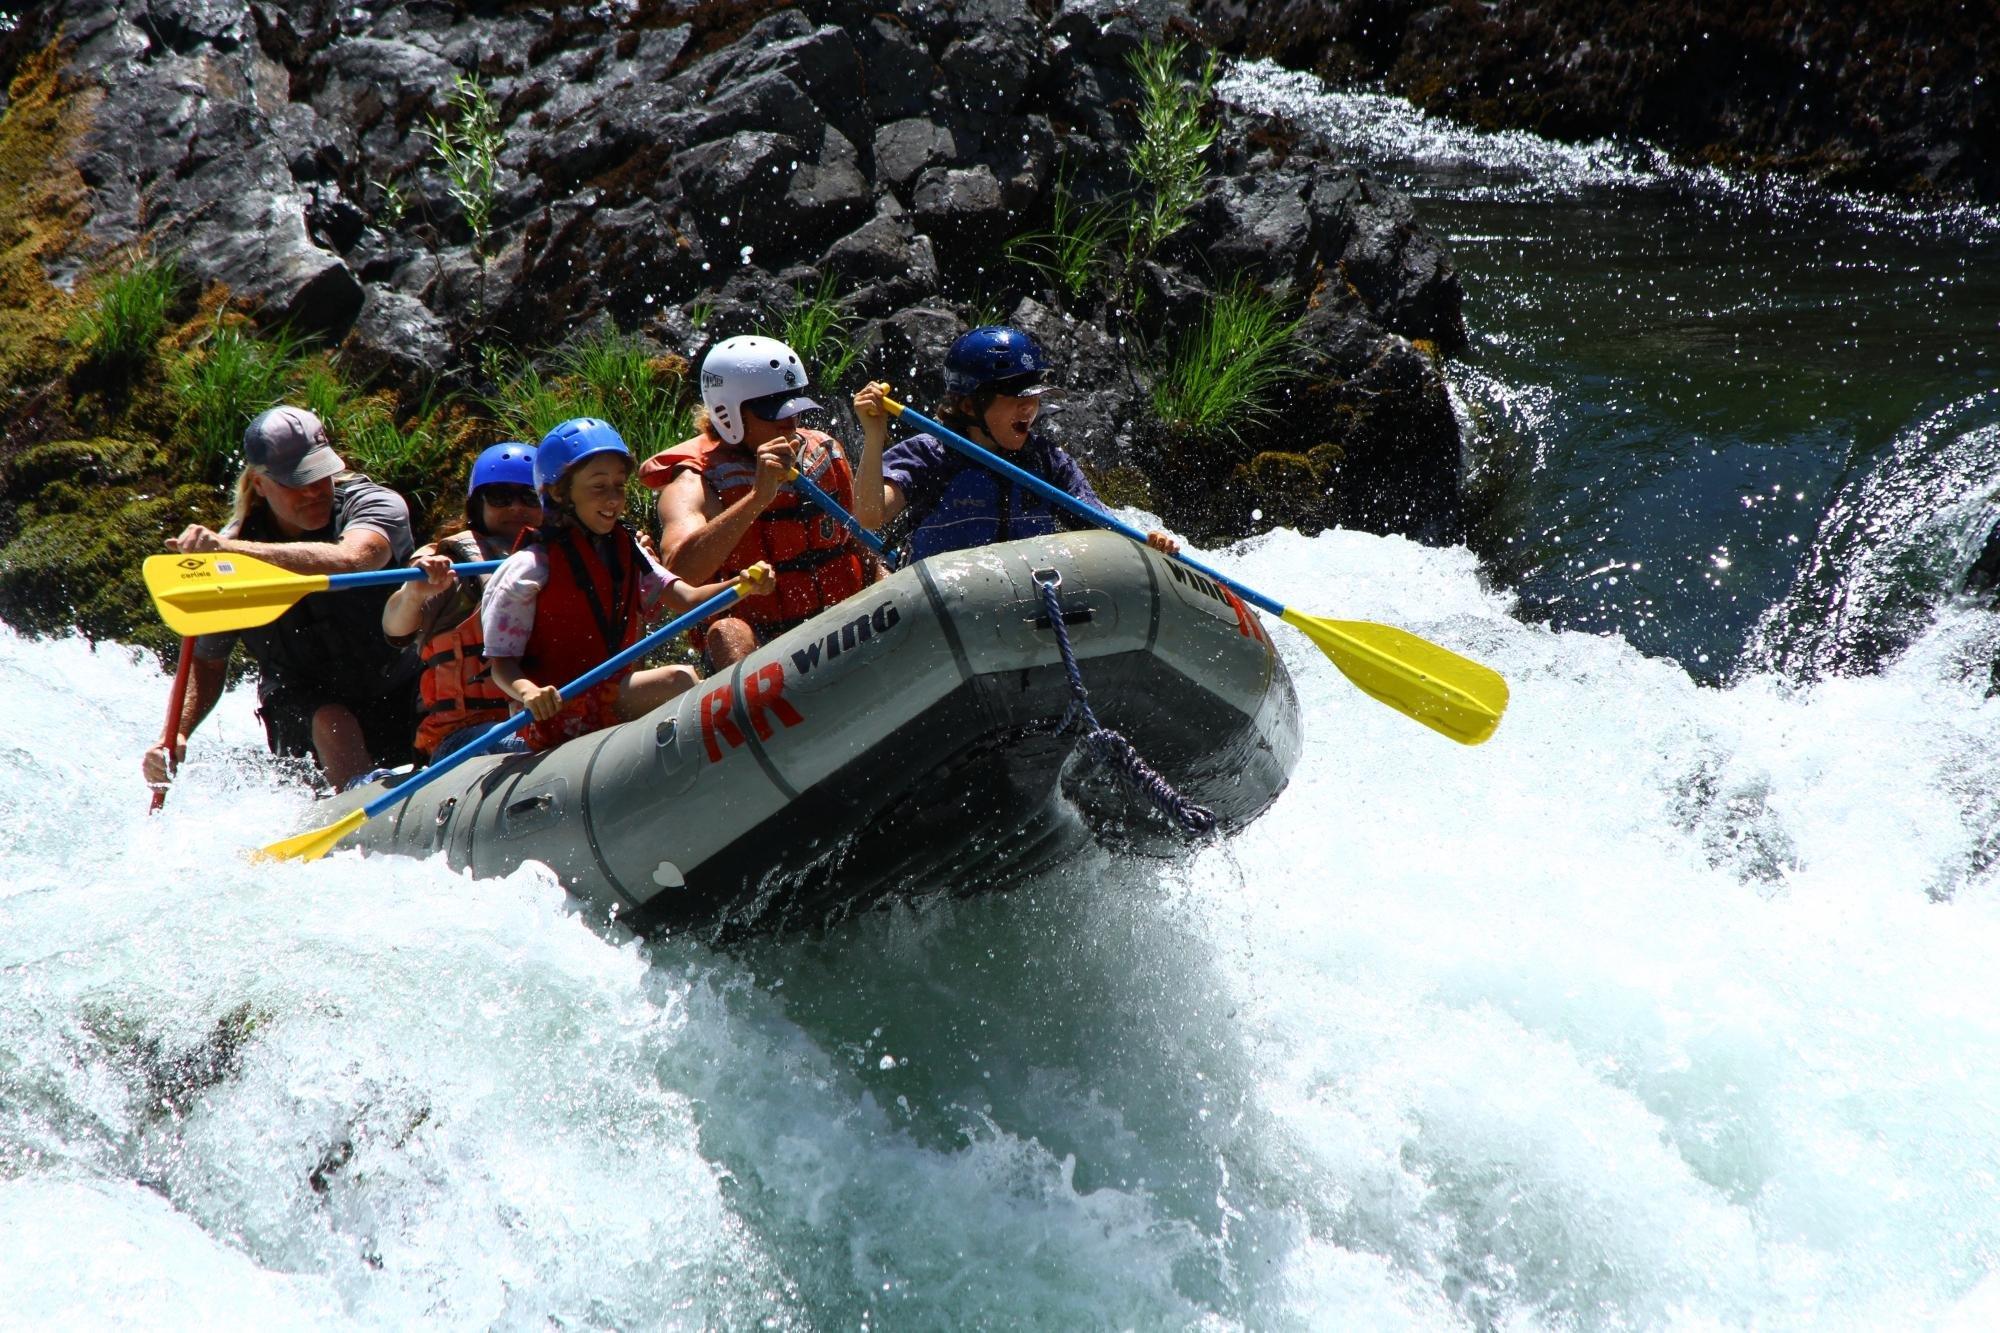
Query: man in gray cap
x=328, y=685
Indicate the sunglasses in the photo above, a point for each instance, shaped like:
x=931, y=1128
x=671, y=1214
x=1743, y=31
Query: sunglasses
x=510, y=495
x=765, y=407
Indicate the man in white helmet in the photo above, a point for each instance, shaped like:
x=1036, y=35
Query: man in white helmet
x=726, y=502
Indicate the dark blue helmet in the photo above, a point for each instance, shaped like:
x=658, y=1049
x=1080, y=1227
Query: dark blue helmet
x=509, y=464
x=987, y=358
x=569, y=444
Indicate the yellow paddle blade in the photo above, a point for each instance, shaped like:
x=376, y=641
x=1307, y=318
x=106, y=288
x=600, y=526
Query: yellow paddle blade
x=213, y=593
x=312, y=845
x=1447, y=693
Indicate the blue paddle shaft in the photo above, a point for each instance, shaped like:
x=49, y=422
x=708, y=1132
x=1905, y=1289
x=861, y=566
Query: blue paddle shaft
x=597, y=675
x=1081, y=508
x=818, y=496
x=371, y=578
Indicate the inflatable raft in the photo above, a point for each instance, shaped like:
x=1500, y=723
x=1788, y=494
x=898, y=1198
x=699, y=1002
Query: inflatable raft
x=908, y=740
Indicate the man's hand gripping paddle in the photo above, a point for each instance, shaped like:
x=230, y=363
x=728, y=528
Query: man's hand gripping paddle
x=216, y=592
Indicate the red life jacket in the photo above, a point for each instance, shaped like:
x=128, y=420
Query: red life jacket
x=586, y=613
x=818, y=561
x=456, y=686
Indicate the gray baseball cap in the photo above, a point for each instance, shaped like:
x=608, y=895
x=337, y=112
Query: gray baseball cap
x=289, y=445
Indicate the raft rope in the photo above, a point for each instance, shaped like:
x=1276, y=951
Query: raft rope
x=1106, y=746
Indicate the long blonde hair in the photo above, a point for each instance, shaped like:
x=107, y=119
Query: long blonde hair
x=246, y=501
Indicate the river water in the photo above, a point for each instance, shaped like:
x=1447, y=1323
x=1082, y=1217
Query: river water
x=1670, y=1006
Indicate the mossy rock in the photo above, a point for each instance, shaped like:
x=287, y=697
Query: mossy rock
x=98, y=462
x=79, y=568
x=1292, y=489
x=1123, y=486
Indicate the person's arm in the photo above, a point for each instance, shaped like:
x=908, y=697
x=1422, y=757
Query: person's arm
x=696, y=537
x=205, y=680
x=507, y=622
x=877, y=501
x=403, y=614
x=357, y=550
x=542, y=701
x=760, y=580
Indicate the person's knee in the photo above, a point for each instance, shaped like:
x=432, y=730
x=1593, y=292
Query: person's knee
x=727, y=642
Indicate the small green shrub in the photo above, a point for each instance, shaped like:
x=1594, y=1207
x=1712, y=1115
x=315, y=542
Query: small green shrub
x=127, y=313
x=1075, y=253
x=1224, y=373
x=417, y=457
x=1173, y=135
x=612, y=376
x=226, y=379
x=467, y=142
x=817, y=329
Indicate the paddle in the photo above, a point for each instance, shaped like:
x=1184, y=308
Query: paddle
x=215, y=592
x=846, y=520
x=1452, y=695
x=312, y=845
x=170, y=738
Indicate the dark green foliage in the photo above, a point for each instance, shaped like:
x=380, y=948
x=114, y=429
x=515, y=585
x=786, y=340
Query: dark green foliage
x=122, y=324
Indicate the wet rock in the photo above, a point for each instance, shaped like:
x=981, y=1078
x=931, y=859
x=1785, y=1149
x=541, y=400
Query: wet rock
x=185, y=24
x=962, y=209
x=898, y=74
x=904, y=148
x=884, y=263
x=1099, y=400
x=1400, y=269
x=907, y=349
x=397, y=335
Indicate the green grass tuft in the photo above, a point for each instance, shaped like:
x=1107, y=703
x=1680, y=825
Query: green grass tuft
x=219, y=385
x=467, y=142
x=418, y=457
x=1173, y=135
x=821, y=333
x=612, y=376
x=127, y=313
x=1224, y=374
x=1075, y=253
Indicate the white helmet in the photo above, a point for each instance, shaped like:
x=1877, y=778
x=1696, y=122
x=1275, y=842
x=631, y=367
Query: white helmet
x=760, y=374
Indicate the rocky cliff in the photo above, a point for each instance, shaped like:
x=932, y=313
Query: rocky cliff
x=420, y=204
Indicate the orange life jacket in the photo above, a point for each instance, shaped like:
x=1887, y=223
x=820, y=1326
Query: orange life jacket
x=818, y=561
x=456, y=686
x=587, y=612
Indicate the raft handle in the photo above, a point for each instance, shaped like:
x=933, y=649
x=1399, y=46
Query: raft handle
x=1052, y=579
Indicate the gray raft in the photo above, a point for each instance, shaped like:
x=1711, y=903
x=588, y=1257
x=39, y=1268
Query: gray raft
x=904, y=741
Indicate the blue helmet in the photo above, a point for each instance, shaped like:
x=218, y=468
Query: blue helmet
x=986, y=356
x=569, y=444
x=509, y=464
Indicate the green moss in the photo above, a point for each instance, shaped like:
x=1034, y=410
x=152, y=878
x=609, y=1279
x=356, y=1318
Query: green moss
x=72, y=557
x=1118, y=486
x=43, y=206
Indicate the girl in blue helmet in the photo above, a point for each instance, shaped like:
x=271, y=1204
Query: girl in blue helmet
x=994, y=382
x=577, y=592
x=458, y=698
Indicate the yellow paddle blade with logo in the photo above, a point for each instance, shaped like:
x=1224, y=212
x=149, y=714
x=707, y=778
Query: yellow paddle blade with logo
x=314, y=843
x=1452, y=695
x=213, y=593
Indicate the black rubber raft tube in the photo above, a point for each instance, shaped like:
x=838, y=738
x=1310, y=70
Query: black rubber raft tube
x=903, y=742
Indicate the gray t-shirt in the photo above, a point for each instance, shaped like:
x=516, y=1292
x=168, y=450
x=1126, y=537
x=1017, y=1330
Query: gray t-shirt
x=357, y=503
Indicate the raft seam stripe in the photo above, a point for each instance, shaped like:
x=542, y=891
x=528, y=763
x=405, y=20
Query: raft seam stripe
x=1153, y=615
x=590, y=821
x=944, y=621
x=739, y=708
